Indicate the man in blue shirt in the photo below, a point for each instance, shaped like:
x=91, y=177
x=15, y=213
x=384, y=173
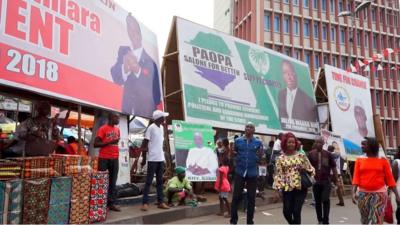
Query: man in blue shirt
x=248, y=151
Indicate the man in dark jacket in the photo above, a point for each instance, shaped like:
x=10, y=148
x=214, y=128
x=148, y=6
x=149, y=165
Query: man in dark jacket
x=138, y=73
x=294, y=103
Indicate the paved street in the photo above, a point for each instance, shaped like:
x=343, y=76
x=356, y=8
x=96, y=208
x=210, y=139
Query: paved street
x=272, y=214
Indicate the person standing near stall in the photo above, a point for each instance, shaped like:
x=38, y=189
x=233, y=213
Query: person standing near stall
x=107, y=139
x=153, y=144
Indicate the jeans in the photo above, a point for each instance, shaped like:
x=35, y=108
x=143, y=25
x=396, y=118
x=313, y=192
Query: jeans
x=398, y=215
x=112, y=165
x=251, y=186
x=292, y=204
x=321, y=192
x=156, y=168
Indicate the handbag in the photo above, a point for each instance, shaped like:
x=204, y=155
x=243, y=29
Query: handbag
x=388, y=211
x=306, y=180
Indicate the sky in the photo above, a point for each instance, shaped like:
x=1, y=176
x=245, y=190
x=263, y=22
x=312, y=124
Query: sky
x=157, y=14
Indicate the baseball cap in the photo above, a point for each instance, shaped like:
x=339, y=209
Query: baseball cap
x=158, y=114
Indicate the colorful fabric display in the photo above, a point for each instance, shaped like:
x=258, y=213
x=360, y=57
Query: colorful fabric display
x=40, y=167
x=60, y=198
x=10, y=169
x=36, y=201
x=98, y=197
x=79, y=212
x=11, y=202
x=74, y=164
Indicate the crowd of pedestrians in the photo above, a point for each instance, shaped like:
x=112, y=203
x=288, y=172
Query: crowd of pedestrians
x=293, y=172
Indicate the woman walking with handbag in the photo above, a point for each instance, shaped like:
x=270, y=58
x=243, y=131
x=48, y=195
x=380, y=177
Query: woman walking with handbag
x=372, y=176
x=293, y=176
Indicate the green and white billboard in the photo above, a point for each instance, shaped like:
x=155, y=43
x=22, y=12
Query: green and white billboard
x=194, y=150
x=228, y=82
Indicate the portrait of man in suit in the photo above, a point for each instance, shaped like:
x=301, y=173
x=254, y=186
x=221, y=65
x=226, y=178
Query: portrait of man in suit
x=294, y=103
x=137, y=72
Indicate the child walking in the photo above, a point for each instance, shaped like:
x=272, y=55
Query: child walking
x=223, y=186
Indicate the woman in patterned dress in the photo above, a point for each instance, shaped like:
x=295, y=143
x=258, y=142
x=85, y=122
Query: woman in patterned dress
x=287, y=179
x=372, y=177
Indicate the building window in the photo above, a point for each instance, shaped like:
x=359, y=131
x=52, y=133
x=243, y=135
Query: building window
x=344, y=63
x=286, y=1
x=277, y=23
x=340, y=5
x=331, y=6
x=316, y=61
x=334, y=61
x=323, y=5
x=267, y=22
x=342, y=36
x=315, y=4
x=333, y=33
x=326, y=59
x=373, y=13
x=324, y=33
x=358, y=38
x=286, y=25
x=385, y=97
x=287, y=52
x=382, y=15
x=296, y=26
x=374, y=41
x=393, y=101
x=306, y=28
x=395, y=125
x=295, y=2
x=297, y=54
x=366, y=40
x=316, y=30
x=307, y=58
x=306, y=3
x=378, y=99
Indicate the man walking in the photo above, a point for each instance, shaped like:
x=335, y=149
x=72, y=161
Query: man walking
x=107, y=139
x=339, y=185
x=248, y=151
x=324, y=163
x=153, y=144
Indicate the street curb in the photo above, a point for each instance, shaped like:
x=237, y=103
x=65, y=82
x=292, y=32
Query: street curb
x=186, y=212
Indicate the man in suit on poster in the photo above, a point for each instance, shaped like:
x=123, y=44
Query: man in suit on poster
x=294, y=103
x=137, y=72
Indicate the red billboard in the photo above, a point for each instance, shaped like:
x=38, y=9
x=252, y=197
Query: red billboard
x=90, y=52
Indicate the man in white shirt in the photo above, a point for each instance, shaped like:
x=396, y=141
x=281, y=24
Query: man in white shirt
x=153, y=144
x=201, y=160
x=294, y=103
x=137, y=72
x=276, y=150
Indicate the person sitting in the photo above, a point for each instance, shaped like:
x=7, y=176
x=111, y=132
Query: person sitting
x=73, y=147
x=178, y=188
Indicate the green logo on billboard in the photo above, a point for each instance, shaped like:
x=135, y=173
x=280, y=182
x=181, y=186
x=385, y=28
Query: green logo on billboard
x=259, y=60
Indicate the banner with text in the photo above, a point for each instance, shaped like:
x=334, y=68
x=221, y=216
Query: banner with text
x=228, y=82
x=69, y=49
x=194, y=144
x=350, y=107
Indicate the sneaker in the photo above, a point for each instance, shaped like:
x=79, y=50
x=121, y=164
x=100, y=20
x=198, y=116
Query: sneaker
x=340, y=204
x=145, y=207
x=115, y=208
x=162, y=206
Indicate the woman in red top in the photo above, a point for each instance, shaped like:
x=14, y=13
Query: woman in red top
x=372, y=176
x=223, y=187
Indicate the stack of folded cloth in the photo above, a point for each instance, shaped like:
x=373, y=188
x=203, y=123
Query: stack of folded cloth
x=10, y=169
